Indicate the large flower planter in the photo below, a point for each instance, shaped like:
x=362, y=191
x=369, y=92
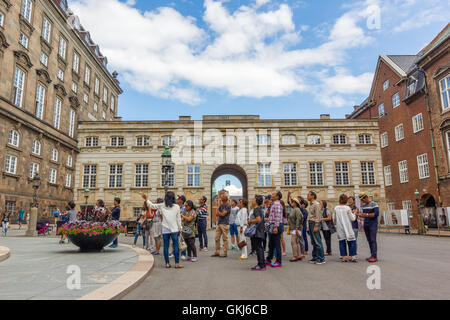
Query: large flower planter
x=92, y=243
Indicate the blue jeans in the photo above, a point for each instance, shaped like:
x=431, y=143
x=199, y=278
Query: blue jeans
x=4, y=227
x=371, y=235
x=305, y=237
x=355, y=230
x=316, y=242
x=351, y=248
x=202, y=235
x=136, y=236
x=274, y=247
x=176, y=252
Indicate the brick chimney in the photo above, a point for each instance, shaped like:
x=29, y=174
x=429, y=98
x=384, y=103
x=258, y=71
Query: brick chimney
x=324, y=117
x=184, y=118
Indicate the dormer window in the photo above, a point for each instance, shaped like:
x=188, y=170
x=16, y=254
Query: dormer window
x=411, y=89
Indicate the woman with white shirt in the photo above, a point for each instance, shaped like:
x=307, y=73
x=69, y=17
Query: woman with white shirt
x=171, y=225
x=343, y=217
x=241, y=222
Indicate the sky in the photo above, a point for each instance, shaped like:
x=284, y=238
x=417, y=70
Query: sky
x=274, y=58
x=235, y=187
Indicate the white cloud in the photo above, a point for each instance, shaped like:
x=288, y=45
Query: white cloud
x=234, y=191
x=245, y=53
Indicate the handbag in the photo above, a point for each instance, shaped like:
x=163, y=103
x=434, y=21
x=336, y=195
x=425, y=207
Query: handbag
x=251, y=231
x=268, y=227
x=242, y=244
x=181, y=244
x=186, y=232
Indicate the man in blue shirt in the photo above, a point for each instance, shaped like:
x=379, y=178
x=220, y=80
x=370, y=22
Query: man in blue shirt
x=115, y=213
x=370, y=213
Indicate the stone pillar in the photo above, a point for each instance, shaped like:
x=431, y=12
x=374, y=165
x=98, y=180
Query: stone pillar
x=31, y=232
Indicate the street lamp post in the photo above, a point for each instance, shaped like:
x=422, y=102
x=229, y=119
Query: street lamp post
x=31, y=232
x=86, y=196
x=419, y=215
x=167, y=166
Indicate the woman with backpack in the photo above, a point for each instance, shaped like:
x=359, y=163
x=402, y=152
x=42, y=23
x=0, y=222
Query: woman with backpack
x=327, y=226
x=189, y=219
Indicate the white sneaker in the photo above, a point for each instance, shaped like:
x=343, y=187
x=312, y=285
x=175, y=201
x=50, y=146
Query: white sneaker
x=194, y=260
x=171, y=255
x=183, y=257
x=205, y=250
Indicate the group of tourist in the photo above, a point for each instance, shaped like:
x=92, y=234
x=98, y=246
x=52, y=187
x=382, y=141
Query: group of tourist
x=5, y=218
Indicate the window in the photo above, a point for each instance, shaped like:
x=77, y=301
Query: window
x=87, y=75
x=74, y=87
x=52, y=175
x=391, y=206
x=194, y=141
x=422, y=164
x=445, y=93
x=113, y=103
x=314, y=139
x=11, y=164
x=62, y=48
x=263, y=140
x=91, y=142
x=411, y=89
x=417, y=123
x=11, y=206
x=34, y=169
x=264, y=175
x=57, y=113
x=46, y=29
x=170, y=178
x=2, y=19
x=68, y=183
x=193, y=175
x=105, y=95
x=339, y=139
x=36, y=147
x=399, y=133
x=381, y=110
x=168, y=141
x=103, y=115
x=76, y=62
x=97, y=86
x=13, y=138
x=60, y=74
x=55, y=154
x=40, y=98
x=143, y=141
x=23, y=40
x=342, y=174
x=396, y=100
x=86, y=98
x=115, y=175
x=19, y=83
x=44, y=59
x=364, y=139
x=137, y=211
x=386, y=85
x=290, y=174
x=448, y=146
x=95, y=106
x=403, y=169
x=387, y=176
x=117, y=141
x=316, y=173
x=407, y=205
x=141, y=175
x=368, y=173
x=69, y=161
x=27, y=6
x=71, y=123
x=289, y=139
x=229, y=140
x=90, y=176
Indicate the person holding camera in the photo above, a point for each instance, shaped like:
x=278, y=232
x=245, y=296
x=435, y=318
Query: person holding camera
x=188, y=219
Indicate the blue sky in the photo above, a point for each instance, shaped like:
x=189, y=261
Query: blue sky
x=275, y=58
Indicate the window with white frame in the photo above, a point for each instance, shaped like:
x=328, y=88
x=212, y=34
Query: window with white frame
x=445, y=93
x=2, y=19
x=95, y=106
x=11, y=206
x=34, y=169
x=46, y=29
x=74, y=87
x=71, y=122
x=90, y=176
x=86, y=98
x=193, y=175
x=105, y=95
x=87, y=75
x=367, y=173
x=365, y=138
x=13, y=138
x=44, y=59
x=388, y=176
x=316, y=173
x=422, y=164
x=113, y=103
x=396, y=100
x=447, y=138
x=19, y=84
x=54, y=155
x=27, y=7
x=62, y=47
x=263, y=140
x=391, y=206
x=386, y=85
x=137, y=211
x=23, y=40
x=264, y=175
x=143, y=141
x=399, y=133
x=411, y=89
x=40, y=98
x=11, y=164
x=76, y=62
x=407, y=205
x=403, y=170
x=381, y=110
x=339, y=139
x=103, y=115
x=60, y=74
x=141, y=175
x=170, y=177
x=417, y=123
x=229, y=140
x=69, y=161
x=289, y=139
x=36, y=147
x=194, y=141
x=290, y=174
x=68, y=183
x=117, y=142
x=168, y=141
x=97, y=86
x=57, y=113
x=314, y=139
x=115, y=175
x=384, y=139
x=52, y=175
x=91, y=142
x=342, y=173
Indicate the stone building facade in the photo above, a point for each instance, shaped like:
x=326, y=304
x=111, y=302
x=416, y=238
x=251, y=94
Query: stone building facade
x=328, y=156
x=52, y=75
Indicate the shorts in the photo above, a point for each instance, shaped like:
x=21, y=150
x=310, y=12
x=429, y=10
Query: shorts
x=234, y=230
